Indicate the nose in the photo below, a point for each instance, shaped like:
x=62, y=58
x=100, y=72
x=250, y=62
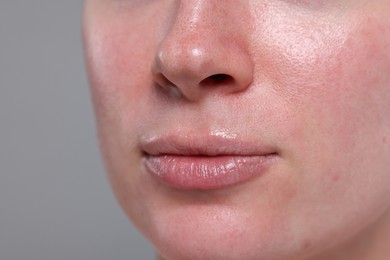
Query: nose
x=205, y=50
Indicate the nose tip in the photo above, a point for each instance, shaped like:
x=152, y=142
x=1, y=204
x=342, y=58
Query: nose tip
x=194, y=60
x=193, y=72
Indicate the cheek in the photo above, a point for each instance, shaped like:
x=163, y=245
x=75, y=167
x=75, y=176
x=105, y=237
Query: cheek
x=335, y=86
x=121, y=39
x=334, y=82
x=352, y=103
x=348, y=123
x=118, y=65
x=119, y=56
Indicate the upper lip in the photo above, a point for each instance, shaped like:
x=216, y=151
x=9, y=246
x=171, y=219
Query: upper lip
x=203, y=145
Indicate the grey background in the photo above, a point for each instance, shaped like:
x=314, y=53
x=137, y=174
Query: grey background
x=55, y=202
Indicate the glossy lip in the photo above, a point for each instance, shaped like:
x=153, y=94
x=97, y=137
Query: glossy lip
x=213, y=161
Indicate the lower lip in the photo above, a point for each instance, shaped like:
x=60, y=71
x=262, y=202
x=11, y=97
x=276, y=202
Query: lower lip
x=206, y=172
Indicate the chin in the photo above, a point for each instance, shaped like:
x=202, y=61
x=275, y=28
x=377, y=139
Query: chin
x=215, y=232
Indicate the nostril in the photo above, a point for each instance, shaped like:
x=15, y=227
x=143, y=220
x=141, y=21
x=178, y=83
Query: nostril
x=163, y=81
x=166, y=86
x=217, y=79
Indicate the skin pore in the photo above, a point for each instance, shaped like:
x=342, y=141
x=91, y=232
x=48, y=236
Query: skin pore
x=307, y=79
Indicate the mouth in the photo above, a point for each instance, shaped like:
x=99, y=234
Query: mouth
x=205, y=163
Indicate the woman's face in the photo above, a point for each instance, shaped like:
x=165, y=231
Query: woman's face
x=292, y=95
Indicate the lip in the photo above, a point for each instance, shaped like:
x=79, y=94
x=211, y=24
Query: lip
x=208, y=162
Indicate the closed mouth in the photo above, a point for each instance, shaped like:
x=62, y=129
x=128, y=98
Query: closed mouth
x=204, y=163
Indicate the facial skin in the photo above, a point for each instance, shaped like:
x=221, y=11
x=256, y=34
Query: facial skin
x=311, y=79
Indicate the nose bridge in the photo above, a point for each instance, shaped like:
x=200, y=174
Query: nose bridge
x=193, y=13
x=204, y=39
x=197, y=18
